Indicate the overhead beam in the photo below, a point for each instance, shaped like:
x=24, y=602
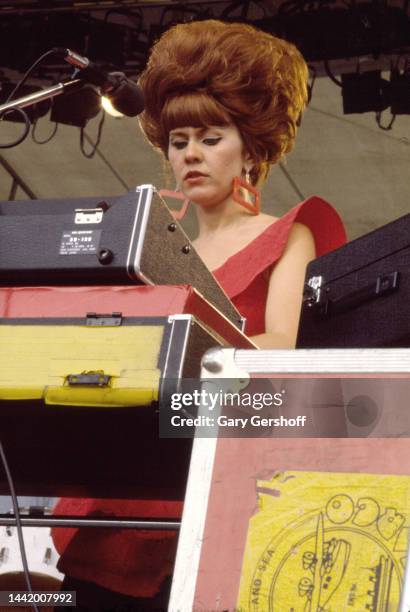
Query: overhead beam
x=21, y=8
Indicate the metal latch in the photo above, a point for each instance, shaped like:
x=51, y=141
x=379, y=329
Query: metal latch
x=325, y=305
x=85, y=216
x=88, y=379
x=94, y=319
x=313, y=291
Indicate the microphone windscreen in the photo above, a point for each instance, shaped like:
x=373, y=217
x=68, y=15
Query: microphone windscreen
x=127, y=98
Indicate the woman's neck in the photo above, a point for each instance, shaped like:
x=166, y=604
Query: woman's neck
x=227, y=216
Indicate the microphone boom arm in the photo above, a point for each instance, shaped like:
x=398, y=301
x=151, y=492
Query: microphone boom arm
x=43, y=94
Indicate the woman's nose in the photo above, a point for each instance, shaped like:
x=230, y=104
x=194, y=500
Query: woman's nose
x=192, y=151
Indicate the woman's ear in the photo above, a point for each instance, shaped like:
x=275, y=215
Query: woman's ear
x=247, y=158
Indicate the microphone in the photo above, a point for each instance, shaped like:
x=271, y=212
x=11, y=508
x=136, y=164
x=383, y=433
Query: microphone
x=125, y=95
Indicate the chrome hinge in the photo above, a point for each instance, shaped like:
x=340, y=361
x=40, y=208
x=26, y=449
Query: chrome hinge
x=313, y=291
x=84, y=216
x=94, y=319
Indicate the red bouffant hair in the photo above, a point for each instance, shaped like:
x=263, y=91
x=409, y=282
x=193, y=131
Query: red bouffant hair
x=213, y=73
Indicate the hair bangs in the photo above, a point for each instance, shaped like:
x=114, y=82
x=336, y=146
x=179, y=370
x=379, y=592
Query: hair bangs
x=194, y=109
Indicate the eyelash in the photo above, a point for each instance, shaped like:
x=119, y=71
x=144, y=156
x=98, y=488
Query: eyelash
x=212, y=141
x=180, y=144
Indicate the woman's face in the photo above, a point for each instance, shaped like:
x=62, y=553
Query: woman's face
x=205, y=161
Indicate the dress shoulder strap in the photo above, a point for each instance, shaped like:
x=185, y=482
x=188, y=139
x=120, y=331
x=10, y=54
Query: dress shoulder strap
x=236, y=274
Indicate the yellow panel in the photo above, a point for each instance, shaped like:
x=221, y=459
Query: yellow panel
x=326, y=542
x=35, y=361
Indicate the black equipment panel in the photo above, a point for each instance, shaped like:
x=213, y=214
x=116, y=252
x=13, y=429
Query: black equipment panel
x=359, y=295
x=132, y=239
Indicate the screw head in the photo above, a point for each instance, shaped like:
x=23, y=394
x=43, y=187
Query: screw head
x=103, y=205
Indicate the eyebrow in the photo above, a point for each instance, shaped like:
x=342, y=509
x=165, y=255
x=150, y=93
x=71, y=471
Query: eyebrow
x=199, y=130
x=177, y=133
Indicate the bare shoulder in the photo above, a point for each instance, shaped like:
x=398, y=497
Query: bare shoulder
x=300, y=233
x=300, y=244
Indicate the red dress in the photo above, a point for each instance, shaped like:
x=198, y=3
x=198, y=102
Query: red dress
x=136, y=562
x=245, y=275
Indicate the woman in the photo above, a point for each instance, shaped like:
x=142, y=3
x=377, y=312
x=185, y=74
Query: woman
x=222, y=104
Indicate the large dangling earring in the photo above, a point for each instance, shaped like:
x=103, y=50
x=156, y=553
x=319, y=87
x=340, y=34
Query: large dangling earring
x=245, y=194
x=176, y=195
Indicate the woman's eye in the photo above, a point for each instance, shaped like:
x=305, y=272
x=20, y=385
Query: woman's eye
x=212, y=141
x=178, y=144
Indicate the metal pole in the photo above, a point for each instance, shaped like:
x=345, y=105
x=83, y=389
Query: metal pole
x=123, y=523
x=43, y=94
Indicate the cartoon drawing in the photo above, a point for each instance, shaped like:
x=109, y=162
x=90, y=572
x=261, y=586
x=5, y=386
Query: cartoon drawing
x=328, y=565
x=339, y=547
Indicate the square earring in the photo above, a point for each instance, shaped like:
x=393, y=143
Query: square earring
x=240, y=186
x=176, y=195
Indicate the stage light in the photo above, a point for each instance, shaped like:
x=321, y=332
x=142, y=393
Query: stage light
x=365, y=92
x=108, y=107
x=400, y=92
x=76, y=108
